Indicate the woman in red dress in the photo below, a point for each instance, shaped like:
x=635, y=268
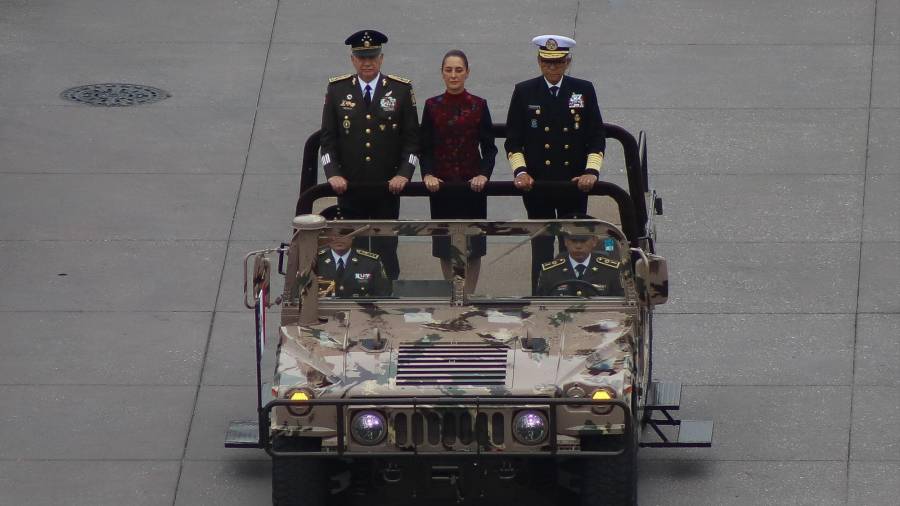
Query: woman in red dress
x=457, y=146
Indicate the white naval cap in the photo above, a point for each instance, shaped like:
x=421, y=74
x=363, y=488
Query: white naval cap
x=553, y=47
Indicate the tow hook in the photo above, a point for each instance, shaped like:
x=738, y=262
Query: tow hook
x=450, y=474
x=392, y=473
x=506, y=471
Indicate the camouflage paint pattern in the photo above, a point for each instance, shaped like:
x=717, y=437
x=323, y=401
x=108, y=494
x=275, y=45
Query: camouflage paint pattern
x=585, y=344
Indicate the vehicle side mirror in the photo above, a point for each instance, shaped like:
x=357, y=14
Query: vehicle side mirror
x=652, y=278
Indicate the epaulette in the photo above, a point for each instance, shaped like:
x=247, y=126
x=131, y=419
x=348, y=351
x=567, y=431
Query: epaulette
x=374, y=256
x=606, y=262
x=339, y=78
x=399, y=78
x=323, y=251
x=546, y=266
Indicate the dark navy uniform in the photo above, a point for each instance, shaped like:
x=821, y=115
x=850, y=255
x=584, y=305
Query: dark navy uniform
x=602, y=273
x=370, y=143
x=554, y=138
x=363, y=275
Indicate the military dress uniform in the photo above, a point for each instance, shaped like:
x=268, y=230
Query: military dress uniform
x=370, y=143
x=363, y=276
x=554, y=138
x=602, y=272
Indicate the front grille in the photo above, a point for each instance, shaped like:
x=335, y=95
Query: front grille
x=448, y=429
x=452, y=364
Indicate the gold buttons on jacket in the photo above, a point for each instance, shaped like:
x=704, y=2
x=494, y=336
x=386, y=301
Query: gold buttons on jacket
x=368, y=144
x=547, y=162
x=368, y=158
x=566, y=146
x=546, y=129
x=368, y=130
x=566, y=164
x=546, y=146
x=565, y=129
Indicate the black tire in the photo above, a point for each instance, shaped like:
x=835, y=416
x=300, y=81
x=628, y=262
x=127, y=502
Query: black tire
x=610, y=481
x=298, y=481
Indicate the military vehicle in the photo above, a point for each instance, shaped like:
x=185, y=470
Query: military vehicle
x=432, y=393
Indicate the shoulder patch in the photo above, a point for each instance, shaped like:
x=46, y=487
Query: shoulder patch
x=369, y=254
x=546, y=266
x=606, y=262
x=339, y=78
x=400, y=79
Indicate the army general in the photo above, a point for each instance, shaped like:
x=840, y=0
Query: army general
x=554, y=132
x=370, y=134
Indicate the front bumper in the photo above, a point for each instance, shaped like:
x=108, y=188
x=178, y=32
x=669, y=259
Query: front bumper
x=488, y=418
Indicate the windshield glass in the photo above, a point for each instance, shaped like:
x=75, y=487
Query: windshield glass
x=494, y=258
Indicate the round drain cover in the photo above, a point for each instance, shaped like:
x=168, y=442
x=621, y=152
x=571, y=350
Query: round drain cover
x=115, y=94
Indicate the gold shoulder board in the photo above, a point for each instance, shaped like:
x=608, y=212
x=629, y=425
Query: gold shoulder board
x=369, y=254
x=339, y=78
x=607, y=262
x=546, y=266
x=399, y=78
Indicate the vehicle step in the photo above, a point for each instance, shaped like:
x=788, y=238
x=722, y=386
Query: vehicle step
x=242, y=434
x=690, y=434
x=664, y=395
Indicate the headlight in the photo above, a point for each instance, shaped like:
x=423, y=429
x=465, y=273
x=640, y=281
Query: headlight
x=368, y=428
x=299, y=394
x=530, y=427
x=603, y=394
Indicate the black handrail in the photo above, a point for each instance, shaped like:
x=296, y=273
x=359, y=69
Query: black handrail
x=636, y=184
x=492, y=188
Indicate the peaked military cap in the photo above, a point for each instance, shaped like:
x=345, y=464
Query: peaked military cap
x=553, y=47
x=366, y=42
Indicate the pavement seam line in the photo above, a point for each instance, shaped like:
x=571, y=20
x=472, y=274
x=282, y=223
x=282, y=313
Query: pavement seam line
x=862, y=242
x=212, y=320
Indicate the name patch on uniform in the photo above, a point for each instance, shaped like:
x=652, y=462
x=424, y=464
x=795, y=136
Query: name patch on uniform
x=389, y=104
x=576, y=101
x=362, y=276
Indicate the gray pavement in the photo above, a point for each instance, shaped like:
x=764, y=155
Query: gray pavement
x=773, y=128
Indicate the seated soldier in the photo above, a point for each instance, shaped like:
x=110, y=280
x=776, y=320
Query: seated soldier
x=345, y=271
x=580, y=271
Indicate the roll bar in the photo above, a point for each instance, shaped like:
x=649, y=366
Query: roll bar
x=637, y=179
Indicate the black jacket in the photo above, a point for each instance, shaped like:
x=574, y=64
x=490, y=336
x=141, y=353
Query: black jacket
x=374, y=143
x=555, y=135
x=364, y=274
x=603, y=274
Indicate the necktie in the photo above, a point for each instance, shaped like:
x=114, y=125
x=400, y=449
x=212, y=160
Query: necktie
x=554, y=90
x=368, y=95
x=580, y=268
x=340, y=268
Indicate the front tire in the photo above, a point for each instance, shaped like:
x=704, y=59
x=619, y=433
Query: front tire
x=298, y=481
x=610, y=481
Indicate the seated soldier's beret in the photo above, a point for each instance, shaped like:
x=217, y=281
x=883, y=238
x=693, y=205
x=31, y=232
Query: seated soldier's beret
x=553, y=47
x=366, y=42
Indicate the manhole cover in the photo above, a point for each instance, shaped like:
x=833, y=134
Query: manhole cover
x=114, y=94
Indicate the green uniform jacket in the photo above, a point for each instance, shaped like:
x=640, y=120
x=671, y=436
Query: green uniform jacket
x=374, y=143
x=603, y=273
x=364, y=275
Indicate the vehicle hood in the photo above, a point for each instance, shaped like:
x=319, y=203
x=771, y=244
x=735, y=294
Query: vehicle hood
x=545, y=348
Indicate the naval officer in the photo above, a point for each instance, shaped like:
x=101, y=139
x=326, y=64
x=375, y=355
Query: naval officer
x=554, y=132
x=370, y=134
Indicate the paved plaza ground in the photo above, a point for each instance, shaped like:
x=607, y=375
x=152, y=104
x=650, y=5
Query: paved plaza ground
x=773, y=129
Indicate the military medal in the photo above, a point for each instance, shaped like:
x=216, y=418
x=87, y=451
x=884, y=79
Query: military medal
x=382, y=127
x=575, y=101
x=534, y=123
x=389, y=104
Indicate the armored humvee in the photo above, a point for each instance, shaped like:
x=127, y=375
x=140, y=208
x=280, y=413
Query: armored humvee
x=430, y=392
